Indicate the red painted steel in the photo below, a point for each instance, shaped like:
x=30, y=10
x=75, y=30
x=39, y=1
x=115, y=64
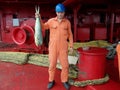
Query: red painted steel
x=92, y=63
x=19, y=36
x=22, y=35
x=32, y=77
x=83, y=34
x=116, y=61
x=28, y=77
x=29, y=34
x=6, y=28
x=100, y=33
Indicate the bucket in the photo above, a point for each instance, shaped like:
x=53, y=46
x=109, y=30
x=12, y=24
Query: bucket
x=92, y=63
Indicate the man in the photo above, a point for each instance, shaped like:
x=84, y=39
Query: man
x=60, y=33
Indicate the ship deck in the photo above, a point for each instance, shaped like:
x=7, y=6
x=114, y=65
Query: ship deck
x=33, y=77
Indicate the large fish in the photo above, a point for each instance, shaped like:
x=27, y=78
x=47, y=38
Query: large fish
x=38, y=30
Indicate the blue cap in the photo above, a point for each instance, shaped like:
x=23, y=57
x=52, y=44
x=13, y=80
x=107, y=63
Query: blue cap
x=60, y=8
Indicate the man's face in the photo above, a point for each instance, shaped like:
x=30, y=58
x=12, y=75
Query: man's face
x=60, y=15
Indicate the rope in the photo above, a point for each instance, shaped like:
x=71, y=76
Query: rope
x=89, y=82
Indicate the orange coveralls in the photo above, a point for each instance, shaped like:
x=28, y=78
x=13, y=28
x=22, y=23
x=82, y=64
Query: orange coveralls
x=118, y=53
x=58, y=46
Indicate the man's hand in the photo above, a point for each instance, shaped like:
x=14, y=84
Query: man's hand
x=71, y=50
x=37, y=15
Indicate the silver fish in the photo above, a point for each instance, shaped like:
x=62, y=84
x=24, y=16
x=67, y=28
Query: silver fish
x=38, y=30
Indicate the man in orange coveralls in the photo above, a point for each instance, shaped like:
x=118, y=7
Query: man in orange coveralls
x=60, y=31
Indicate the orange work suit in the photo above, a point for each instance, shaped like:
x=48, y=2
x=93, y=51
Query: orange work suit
x=118, y=53
x=60, y=32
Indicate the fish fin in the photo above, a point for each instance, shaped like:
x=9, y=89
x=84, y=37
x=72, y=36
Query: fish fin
x=37, y=9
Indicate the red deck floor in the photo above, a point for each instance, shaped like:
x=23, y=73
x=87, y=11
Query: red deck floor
x=27, y=77
x=32, y=77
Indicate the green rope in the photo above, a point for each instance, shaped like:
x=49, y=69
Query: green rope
x=89, y=82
